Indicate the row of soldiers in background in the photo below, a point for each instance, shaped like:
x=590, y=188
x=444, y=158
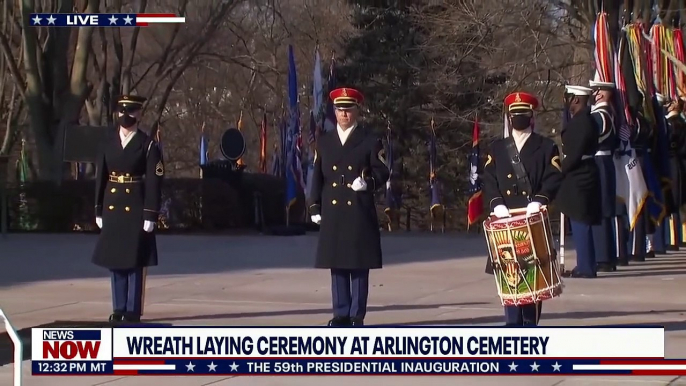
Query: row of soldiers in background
x=611, y=243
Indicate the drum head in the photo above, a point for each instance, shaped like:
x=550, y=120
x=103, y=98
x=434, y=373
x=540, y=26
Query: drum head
x=232, y=144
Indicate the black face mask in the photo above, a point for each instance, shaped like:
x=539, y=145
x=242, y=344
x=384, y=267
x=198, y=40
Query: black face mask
x=126, y=121
x=521, y=122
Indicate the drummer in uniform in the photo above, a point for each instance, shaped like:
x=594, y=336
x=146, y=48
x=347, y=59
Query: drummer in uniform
x=580, y=190
x=603, y=233
x=349, y=167
x=127, y=201
x=538, y=185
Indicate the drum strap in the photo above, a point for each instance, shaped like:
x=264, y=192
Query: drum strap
x=523, y=183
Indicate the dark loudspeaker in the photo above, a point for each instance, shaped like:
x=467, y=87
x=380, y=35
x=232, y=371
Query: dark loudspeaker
x=232, y=144
x=81, y=143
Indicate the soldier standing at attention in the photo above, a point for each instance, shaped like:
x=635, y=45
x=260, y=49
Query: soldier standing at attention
x=676, y=136
x=522, y=171
x=603, y=234
x=127, y=201
x=349, y=166
x=578, y=197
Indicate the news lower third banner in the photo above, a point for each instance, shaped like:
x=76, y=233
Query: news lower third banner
x=102, y=19
x=351, y=351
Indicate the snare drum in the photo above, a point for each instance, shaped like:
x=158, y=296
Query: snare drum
x=524, y=261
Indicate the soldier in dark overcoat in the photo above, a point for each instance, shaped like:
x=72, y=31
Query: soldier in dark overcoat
x=603, y=233
x=127, y=201
x=578, y=197
x=349, y=167
x=676, y=137
x=504, y=191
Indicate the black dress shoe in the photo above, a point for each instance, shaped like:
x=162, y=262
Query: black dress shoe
x=639, y=258
x=576, y=274
x=605, y=267
x=673, y=248
x=132, y=318
x=356, y=322
x=339, y=322
x=658, y=253
x=622, y=262
x=116, y=317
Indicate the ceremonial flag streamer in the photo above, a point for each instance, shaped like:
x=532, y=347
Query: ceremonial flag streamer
x=102, y=19
x=263, y=144
x=284, y=351
x=433, y=159
x=475, y=206
x=392, y=198
x=294, y=175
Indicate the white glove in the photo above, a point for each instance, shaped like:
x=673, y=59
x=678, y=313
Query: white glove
x=501, y=211
x=316, y=219
x=98, y=222
x=359, y=185
x=148, y=226
x=533, y=207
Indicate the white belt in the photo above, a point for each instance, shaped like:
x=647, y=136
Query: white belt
x=603, y=152
x=585, y=157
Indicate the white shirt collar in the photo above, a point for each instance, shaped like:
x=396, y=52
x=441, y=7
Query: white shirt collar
x=125, y=139
x=600, y=105
x=520, y=137
x=344, y=134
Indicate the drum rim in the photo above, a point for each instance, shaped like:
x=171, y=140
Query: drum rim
x=221, y=145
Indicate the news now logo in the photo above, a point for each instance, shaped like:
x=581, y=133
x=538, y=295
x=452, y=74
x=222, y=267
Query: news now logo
x=71, y=344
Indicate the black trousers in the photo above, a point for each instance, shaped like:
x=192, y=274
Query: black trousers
x=604, y=243
x=526, y=315
x=127, y=291
x=349, y=292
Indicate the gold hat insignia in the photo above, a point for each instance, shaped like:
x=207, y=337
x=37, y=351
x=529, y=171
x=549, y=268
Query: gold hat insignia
x=345, y=92
x=518, y=98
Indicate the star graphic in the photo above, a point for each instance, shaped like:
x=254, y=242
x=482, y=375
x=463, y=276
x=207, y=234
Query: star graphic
x=234, y=366
x=556, y=366
x=190, y=366
x=513, y=367
x=113, y=20
x=535, y=367
x=36, y=20
x=51, y=20
x=127, y=19
x=212, y=366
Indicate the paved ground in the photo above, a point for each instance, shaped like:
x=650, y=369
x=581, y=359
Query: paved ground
x=259, y=280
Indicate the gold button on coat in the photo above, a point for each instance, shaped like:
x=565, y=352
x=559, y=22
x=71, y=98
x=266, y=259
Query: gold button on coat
x=128, y=175
x=349, y=185
x=111, y=207
x=350, y=203
x=335, y=184
x=114, y=190
x=509, y=176
x=508, y=192
x=128, y=191
x=127, y=209
x=350, y=168
x=523, y=193
x=334, y=202
x=334, y=167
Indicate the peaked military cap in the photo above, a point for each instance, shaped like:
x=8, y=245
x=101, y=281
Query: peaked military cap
x=131, y=101
x=521, y=103
x=346, y=98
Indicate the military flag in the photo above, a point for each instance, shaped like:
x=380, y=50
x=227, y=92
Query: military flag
x=263, y=144
x=475, y=206
x=330, y=122
x=293, y=163
x=203, y=148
